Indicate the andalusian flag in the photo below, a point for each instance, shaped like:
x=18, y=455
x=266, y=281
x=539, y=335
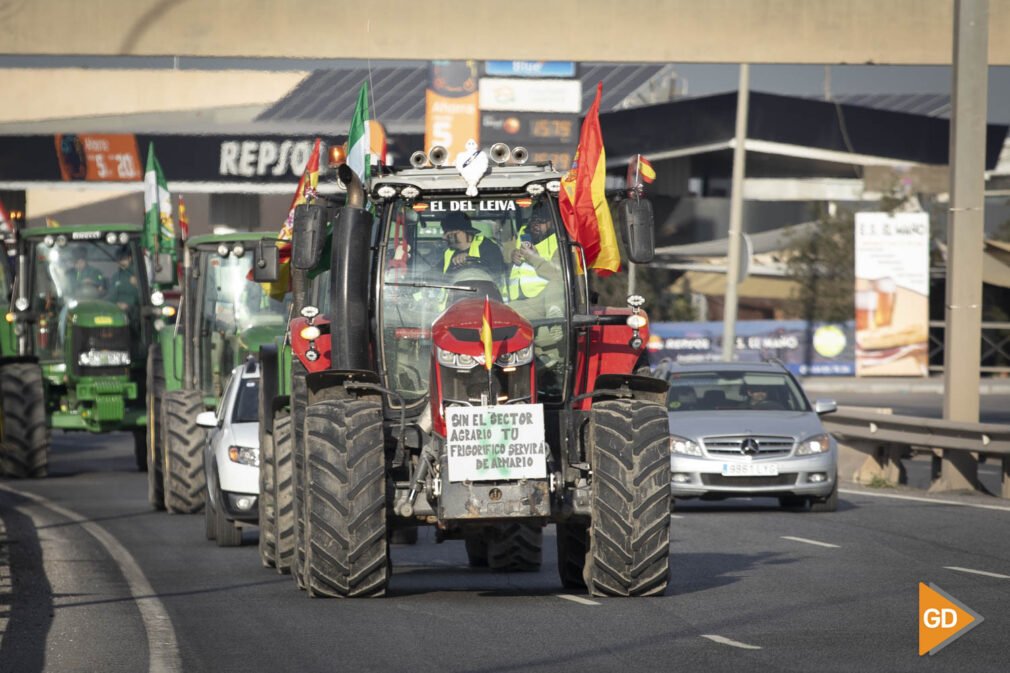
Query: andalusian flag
x=159, y=231
x=359, y=141
x=583, y=202
x=485, y=335
x=306, y=193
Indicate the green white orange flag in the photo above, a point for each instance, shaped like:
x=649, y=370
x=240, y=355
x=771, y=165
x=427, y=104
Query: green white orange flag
x=359, y=142
x=159, y=230
x=485, y=335
x=583, y=200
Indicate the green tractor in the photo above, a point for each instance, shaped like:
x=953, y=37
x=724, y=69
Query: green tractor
x=224, y=317
x=74, y=342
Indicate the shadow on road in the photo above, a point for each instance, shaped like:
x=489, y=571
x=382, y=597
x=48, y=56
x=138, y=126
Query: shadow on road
x=29, y=606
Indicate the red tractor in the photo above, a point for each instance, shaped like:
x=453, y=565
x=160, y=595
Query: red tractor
x=454, y=373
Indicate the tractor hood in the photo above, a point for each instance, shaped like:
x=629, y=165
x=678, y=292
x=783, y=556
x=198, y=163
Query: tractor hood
x=95, y=313
x=457, y=330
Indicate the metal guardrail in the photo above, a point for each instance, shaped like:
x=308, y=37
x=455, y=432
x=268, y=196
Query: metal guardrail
x=893, y=435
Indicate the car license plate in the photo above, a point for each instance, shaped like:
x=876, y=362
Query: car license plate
x=750, y=470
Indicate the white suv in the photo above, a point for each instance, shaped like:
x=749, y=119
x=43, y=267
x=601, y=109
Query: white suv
x=231, y=457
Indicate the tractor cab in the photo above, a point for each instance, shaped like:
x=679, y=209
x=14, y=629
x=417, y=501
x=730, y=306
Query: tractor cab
x=444, y=255
x=232, y=315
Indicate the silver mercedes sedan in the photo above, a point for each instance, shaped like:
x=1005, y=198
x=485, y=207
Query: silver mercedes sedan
x=748, y=429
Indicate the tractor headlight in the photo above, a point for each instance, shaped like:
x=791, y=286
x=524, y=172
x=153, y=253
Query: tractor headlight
x=523, y=356
x=103, y=358
x=457, y=360
x=310, y=333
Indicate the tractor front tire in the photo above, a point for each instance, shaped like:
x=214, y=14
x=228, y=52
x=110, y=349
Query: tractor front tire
x=184, y=478
x=284, y=497
x=267, y=500
x=515, y=547
x=155, y=427
x=573, y=544
x=629, y=534
x=26, y=436
x=346, y=547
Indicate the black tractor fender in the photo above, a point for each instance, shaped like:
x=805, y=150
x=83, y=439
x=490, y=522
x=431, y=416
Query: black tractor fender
x=634, y=386
x=334, y=384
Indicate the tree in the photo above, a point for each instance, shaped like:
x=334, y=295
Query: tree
x=821, y=262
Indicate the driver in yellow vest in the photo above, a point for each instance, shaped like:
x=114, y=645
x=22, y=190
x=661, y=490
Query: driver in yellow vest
x=468, y=248
x=536, y=292
x=534, y=259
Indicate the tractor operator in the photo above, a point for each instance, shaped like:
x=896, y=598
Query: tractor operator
x=124, y=291
x=536, y=292
x=469, y=248
x=85, y=280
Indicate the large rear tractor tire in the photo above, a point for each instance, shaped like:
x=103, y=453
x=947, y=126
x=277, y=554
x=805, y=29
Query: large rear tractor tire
x=346, y=548
x=573, y=544
x=299, y=400
x=155, y=427
x=26, y=436
x=284, y=505
x=267, y=500
x=185, y=480
x=629, y=534
x=515, y=548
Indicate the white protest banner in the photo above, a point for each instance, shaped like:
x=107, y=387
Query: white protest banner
x=496, y=442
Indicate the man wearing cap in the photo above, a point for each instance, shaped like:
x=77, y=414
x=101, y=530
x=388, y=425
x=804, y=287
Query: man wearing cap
x=534, y=259
x=84, y=278
x=124, y=291
x=469, y=248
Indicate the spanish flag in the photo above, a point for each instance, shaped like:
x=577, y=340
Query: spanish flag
x=645, y=169
x=306, y=193
x=485, y=335
x=582, y=200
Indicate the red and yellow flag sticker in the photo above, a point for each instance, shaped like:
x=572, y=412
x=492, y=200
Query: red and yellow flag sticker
x=942, y=619
x=420, y=207
x=524, y=203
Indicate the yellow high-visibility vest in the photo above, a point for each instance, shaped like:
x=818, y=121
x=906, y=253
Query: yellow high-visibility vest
x=524, y=281
x=474, y=251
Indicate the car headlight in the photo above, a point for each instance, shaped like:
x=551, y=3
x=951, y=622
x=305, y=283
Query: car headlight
x=684, y=447
x=103, y=358
x=243, y=455
x=816, y=444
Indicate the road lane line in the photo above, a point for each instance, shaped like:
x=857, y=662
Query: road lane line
x=929, y=500
x=803, y=539
x=577, y=599
x=978, y=572
x=732, y=643
x=676, y=516
x=162, y=646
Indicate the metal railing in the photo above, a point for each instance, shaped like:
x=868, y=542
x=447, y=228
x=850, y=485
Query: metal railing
x=995, y=355
x=886, y=438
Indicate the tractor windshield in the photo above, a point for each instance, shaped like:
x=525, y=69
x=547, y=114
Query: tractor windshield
x=66, y=272
x=236, y=315
x=438, y=251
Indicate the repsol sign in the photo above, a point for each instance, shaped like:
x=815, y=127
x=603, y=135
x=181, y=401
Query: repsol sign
x=254, y=158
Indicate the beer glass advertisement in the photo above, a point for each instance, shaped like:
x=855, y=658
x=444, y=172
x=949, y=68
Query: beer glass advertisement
x=892, y=294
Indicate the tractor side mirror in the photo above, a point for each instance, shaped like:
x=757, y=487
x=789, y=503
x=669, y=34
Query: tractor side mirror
x=164, y=269
x=266, y=262
x=637, y=229
x=307, y=234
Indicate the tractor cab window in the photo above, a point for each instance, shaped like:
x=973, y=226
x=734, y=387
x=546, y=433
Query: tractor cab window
x=438, y=251
x=66, y=272
x=235, y=315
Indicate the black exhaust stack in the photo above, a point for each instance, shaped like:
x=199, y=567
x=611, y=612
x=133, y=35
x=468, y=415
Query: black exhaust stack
x=349, y=266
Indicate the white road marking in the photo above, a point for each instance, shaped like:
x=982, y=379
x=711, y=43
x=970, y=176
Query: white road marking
x=931, y=501
x=803, y=539
x=676, y=516
x=732, y=643
x=577, y=599
x=162, y=646
x=978, y=572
